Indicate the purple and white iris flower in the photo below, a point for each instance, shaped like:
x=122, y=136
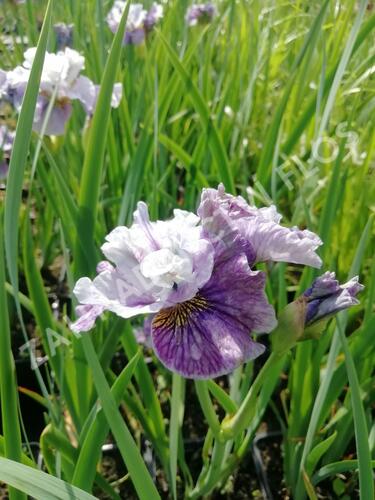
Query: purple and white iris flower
x=200, y=13
x=195, y=275
x=327, y=297
x=60, y=78
x=6, y=144
x=139, y=21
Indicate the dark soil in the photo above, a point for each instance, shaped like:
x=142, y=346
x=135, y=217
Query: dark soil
x=259, y=475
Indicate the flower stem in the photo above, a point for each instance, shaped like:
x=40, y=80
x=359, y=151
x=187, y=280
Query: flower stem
x=213, y=476
x=241, y=419
x=207, y=408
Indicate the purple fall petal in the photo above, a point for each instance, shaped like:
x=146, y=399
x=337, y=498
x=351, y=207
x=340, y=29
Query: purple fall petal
x=209, y=335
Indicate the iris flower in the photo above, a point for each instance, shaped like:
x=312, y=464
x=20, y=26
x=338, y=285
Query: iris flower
x=139, y=21
x=201, y=13
x=195, y=275
x=60, y=77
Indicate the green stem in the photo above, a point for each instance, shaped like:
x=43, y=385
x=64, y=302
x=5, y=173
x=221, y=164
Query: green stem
x=240, y=421
x=207, y=407
x=213, y=476
x=177, y=415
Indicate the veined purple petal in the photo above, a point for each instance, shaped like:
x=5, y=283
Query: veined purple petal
x=273, y=242
x=219, y=226
x=209, y=335
x=223, y=214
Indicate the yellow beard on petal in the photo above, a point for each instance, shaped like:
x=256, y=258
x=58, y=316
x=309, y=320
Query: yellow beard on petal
x=179, y=314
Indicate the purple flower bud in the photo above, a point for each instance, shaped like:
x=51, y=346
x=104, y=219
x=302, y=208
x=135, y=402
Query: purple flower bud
x=302, y=319
x=202, y=13
x=327, y=297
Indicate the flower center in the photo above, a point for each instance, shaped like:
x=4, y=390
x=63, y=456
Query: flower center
x=179, y=314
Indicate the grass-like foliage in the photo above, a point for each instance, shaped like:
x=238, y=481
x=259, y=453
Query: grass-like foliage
x=275, y=99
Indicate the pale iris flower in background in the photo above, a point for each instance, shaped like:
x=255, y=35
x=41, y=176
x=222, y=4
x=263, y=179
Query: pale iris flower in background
x=201, y=13
x=61, y=78
x=139, y=21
